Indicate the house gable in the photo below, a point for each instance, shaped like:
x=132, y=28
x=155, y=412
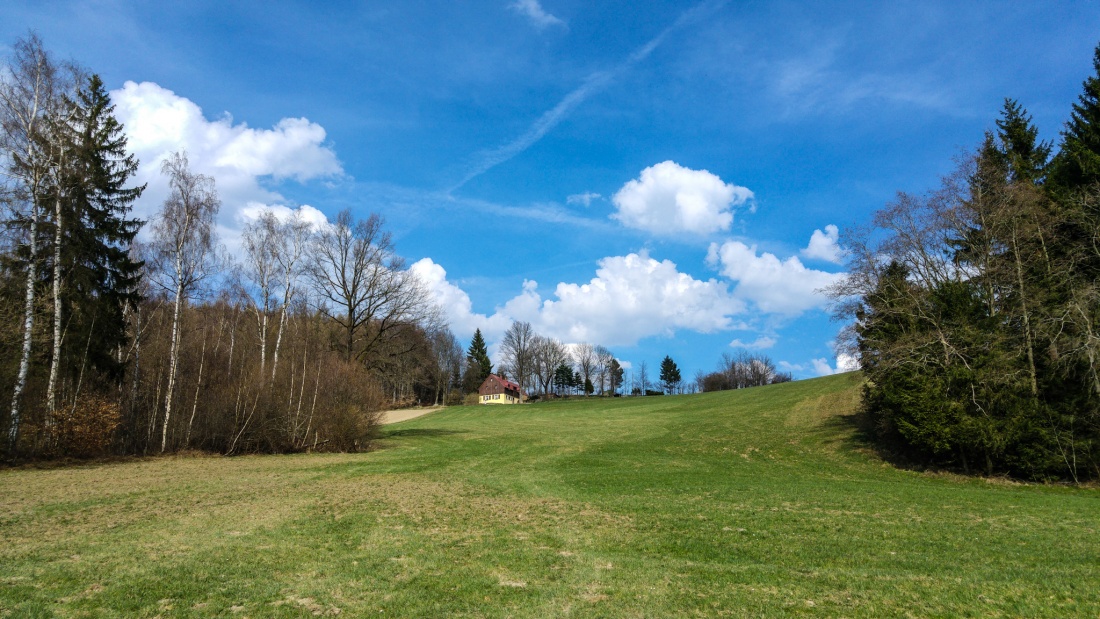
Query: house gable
x=497, y=390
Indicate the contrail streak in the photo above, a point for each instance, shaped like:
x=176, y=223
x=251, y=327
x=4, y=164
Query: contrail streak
x=593, y=83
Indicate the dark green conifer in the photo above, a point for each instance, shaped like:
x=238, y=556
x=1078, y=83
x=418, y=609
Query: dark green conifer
x=479, y=354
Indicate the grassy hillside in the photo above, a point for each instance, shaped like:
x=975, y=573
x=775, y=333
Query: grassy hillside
x=754, y=503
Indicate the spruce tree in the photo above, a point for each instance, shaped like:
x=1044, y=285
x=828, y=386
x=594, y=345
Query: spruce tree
x=101, y=278
x=670, y=374
x=479, y=354
x=1078, y=162
x=1022, y=154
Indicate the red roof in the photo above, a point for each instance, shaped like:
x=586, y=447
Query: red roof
x=507, y=384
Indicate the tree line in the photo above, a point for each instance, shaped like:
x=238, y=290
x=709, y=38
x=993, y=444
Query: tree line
x=976, y=306
x=741, y=370
x=543, y=366
x=124, y=346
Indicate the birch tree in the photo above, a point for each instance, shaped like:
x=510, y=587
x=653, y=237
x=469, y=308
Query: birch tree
x=187, y=251
x=259, y=239
x=291, y=245
x=30, y=95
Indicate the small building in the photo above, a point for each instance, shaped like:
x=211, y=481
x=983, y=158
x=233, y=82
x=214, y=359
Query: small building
x=497, y=390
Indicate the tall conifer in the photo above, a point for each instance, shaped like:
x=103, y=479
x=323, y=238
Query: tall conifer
x=480, y=355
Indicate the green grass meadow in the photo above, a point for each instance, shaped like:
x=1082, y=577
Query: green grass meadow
x=758, y=503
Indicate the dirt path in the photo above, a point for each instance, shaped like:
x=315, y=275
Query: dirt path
x=406, y=413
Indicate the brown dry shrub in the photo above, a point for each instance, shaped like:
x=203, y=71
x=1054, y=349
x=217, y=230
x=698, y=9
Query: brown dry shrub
x=87, y=429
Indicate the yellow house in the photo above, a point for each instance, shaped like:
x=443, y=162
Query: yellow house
x=496, y=390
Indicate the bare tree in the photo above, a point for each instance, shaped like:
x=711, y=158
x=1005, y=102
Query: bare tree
x=259, y=239
x=186, y=250
x=603, y=367
x=30, y=97
x=448, y=359
x=643, y=377
x=518, y=351
x=291, y=245
x=549, y=353
x=364, y=287
x=584, y=355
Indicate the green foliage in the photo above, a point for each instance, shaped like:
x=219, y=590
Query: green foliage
x=973, y=336
x=1078, y=161
x=564, y=378
x=670, y=375
x=479, y=355
x=100, y=277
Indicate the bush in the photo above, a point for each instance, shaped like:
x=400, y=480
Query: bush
x=87, y=429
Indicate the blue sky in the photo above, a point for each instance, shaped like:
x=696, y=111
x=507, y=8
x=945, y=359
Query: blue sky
x=659, y=177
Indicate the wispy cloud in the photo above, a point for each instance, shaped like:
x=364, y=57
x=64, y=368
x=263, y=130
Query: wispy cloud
x=585, y=198
x=415, y=202
x=487, y=160
x=538, y=16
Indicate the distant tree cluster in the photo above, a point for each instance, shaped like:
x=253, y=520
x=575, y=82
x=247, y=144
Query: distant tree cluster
x=977, y=306
x=544, y=365
x=741, y=370
x=120, y=347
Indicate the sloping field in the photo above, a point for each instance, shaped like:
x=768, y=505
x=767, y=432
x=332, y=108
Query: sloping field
x=755, y=504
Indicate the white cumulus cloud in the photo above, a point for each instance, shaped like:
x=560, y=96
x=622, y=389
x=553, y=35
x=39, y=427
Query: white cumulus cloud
x=456, y=303
x=630, y=298
x=669, y=199
x=844, y=363
x=159, y=122
x=825, y=245
x=532, y=10
x=252, y=211
x=633, y=297
x=773, y=285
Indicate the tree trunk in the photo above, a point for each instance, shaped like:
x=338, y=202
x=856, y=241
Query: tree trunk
x=28, y=327
x=198, y=385
x=173, y=361
x=278, y=342
x=55, y=361
x=1027, y=318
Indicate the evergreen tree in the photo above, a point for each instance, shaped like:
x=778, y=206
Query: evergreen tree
x=479, y=354
x=1078, y=162
x=101, y=278
x=563, y=378
x=670, y=375
x=1023, y=155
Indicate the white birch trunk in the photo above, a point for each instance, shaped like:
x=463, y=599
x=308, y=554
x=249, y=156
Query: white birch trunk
x=55, y=361
x=278, y=342
x=28, y=328
x=198, y=385
x=173, y=357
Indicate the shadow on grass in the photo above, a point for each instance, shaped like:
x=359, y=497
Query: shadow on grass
x=852, y=432
x=417, y=432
